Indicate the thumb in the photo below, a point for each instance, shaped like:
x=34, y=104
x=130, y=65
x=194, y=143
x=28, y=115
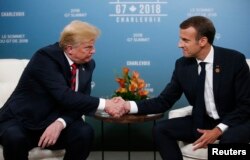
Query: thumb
x=116, y=99
x=200, y=130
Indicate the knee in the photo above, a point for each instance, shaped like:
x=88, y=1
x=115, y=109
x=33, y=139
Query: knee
x=156, y=129
x=159, y=129
x=14, y=140
x=88, y=132
x=85, y=134
x=228, y=138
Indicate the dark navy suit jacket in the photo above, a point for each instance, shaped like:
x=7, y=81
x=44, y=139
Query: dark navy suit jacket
x=231, y=87
x=43, y=93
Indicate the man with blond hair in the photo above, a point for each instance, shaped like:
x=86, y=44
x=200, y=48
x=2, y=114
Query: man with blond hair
x=53, y=93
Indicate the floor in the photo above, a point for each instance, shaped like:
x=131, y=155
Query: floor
x=108, y=155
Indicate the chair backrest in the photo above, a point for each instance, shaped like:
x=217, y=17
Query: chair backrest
x=10, y=72
x=248, y=62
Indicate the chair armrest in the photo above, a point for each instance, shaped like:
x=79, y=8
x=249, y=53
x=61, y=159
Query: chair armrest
x=180, y=112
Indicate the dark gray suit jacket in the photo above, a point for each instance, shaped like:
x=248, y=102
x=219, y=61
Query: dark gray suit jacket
x=231, y=87
x=43, y=93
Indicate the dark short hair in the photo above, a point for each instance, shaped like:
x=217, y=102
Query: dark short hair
x=202, y=25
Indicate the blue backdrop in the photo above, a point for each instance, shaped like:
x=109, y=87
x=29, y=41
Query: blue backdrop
x=140, y=34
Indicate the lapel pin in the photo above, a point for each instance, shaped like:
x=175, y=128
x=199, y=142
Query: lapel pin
x=217, y=69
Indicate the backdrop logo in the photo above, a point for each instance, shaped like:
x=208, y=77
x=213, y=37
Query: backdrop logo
x=206, y=12
x=75, y=13
x=217, y=36
x=92, y=84
x=149, y=88
x=138, y=63
x=12, y=14
x=13, y=38
x=138, y=37
x=138, y=11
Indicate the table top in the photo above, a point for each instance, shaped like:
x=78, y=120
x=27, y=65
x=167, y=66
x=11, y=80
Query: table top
x=128, y=118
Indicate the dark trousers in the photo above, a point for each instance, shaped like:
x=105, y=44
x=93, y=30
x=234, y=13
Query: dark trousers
x=167, y=132
x=76, y=139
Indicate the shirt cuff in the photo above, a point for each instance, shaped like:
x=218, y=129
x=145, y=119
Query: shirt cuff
x=101, y=105
x=62, y=121
x=222, y=127
x=133, y=107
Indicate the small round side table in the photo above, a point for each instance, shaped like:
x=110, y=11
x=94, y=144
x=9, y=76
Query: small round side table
x=125, y=119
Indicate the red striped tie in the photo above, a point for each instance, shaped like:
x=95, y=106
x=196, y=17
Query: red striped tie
x=73, y=76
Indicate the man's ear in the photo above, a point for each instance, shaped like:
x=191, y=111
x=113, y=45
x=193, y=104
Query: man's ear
x=68, y=49
x=203, y=41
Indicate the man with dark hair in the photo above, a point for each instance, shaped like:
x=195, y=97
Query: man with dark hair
x=215, y=81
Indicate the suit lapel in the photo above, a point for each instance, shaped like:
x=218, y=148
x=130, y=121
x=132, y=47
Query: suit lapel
x=217, y=66
x=194, y=76
x=58, y=55
x=193, y=73
x=84, y=74
x=65, y=67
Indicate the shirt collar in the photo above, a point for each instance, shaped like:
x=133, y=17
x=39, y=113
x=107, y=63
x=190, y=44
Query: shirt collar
x=210, y=57
x=69, y=60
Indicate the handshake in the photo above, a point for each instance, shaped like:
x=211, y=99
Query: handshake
x=117, y=107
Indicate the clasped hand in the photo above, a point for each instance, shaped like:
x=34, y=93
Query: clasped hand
x=117, y=107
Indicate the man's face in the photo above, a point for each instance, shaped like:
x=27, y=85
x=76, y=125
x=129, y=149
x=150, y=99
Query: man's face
x=188, y=43
x=81, y=53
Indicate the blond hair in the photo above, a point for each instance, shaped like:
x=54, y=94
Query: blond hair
x=77, y=32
